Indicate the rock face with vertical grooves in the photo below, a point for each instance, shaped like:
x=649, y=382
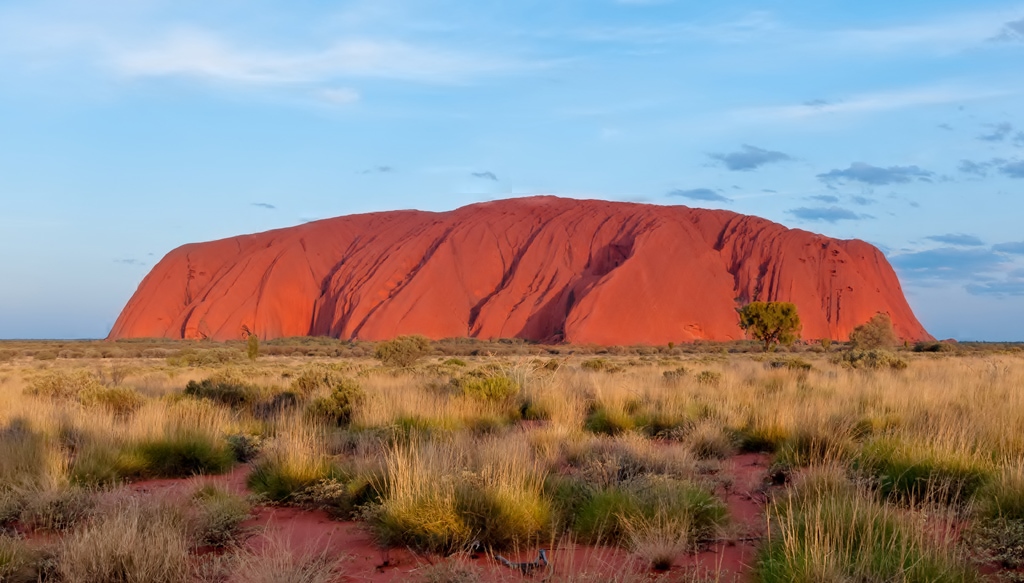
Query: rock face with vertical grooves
x=540, y=268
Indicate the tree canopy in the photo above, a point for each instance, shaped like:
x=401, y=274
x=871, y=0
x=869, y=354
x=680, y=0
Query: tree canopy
x=771, y=322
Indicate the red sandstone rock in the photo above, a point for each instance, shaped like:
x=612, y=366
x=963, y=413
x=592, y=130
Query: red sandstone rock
x=540, y=268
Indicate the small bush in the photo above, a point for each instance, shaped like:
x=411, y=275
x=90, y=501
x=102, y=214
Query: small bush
x=121, y=401
x=64, y=385
x=675, y=375
x=245, y=447
x=454, y=362
x=876, y=333
x=337, y=408
x=57, y=510
x=403, y=351
x=925, y=346
x=872, y=359
x=487, y=387
x=225, y=389
x=709, y=378
x=709, y=440
x=219, y=515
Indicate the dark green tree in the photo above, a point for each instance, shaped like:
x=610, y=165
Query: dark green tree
x=771, y=322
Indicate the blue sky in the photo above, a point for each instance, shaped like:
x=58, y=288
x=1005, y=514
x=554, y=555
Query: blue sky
x=128, y=128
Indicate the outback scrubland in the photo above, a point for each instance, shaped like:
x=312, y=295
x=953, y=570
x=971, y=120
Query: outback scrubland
x=165, y=462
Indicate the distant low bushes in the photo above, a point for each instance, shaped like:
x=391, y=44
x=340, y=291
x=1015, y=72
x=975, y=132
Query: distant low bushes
x=403, y=351
x=871, y=359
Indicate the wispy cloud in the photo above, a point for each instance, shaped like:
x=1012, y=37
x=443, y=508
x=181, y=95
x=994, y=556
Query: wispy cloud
x=826, y=198
x=830, y=214
x=1011, y=31
x=871, y=103
x=948, y=263
x=204, y=54
x=958, y=239
x=750, y=158
x=875, y=175
x=339, y=95
x=699, y=194
x=998, y=132
x=378, y=170
x=487, y=175
x=263, y=205
x=1016, y=248
x=1013, y=169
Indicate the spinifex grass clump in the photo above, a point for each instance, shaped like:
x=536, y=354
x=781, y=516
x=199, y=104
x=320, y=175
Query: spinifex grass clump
x=218, y=516
x=132, y=542
x=437, y=497
x=827, y=529
x=644, y=509
x=921, y=472
x=227, y=388
x=19, y=563
x=998, y=528
x=291, y=462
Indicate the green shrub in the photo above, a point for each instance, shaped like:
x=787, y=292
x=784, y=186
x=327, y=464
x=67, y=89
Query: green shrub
x=926, y=346
x=709, y=377
x=341, y=498
x=600, y=365
x=337, y=407
x=58, y=510
x=607, y=421
x=121, y=401
x=64, y=385
x=225, y=389
x=245, y=447
x=872, y=359
x=317, y=377
x=403, y=351
x=675, y=375
x=184, y=453
x=487, y=387
x=876, y=333
x=454, y=362
x=219, y=515
x=1000, y=540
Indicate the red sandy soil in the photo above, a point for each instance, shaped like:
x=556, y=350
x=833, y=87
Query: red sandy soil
x=363, y=560
x=540, y=268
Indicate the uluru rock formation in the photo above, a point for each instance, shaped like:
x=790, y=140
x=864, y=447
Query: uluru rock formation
x=540, y=268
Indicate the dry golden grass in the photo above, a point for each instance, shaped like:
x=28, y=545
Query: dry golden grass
x=420, y=453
